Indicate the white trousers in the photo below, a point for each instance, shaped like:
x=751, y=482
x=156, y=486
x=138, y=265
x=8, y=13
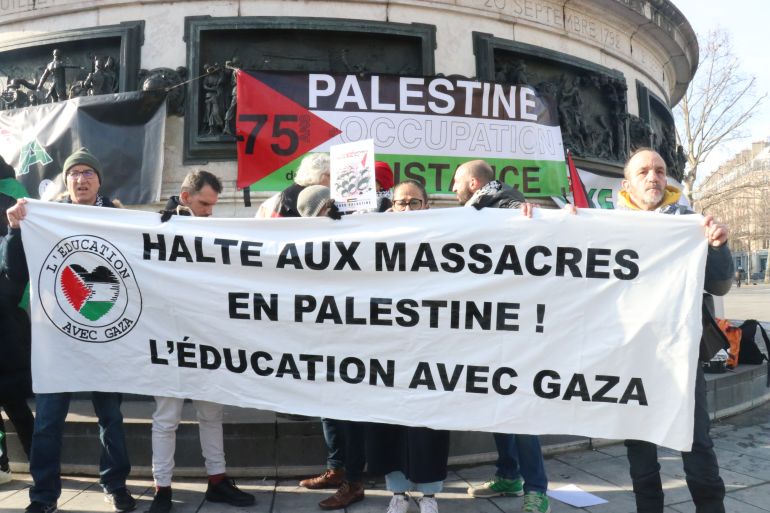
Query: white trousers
x=165, y=420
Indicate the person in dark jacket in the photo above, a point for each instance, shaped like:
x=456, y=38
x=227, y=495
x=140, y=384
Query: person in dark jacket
x=83, y=176
x=15, y=377
x=475, y=186
x=200, y=192
x=520, y=466
x=644, y=189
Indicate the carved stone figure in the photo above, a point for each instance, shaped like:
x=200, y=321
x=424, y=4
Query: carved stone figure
x=548, y=88
x=13, y=97
x=96, y=81
x=55, y=69
x=213, y=85
x=169, y=80
x=102, y=80
x=640, y=132
x=667, y=149
x=604, y=140
x=681, y=160
x=110, y=76
x=503, y=73
x=76, y=89
x=234, y=66
x=571, y=116
x=619, y=122
x=615, y=92
x=518, y=73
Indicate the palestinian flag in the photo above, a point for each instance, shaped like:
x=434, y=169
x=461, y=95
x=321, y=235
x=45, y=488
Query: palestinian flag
x=92, y=294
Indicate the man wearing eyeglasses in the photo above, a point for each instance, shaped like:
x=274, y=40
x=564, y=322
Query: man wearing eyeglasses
x=520, y=466
x=83, y=178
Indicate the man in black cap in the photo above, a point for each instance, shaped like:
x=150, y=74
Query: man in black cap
x=82, y=175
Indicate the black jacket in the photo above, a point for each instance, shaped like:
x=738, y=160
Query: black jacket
x=496, y=195
x=420, y=453
x=287, y=201
x=15, y=377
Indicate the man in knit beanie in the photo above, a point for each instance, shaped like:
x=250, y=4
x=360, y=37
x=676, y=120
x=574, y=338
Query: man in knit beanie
x=314, y=201
x=83, y=178
x=83, y=157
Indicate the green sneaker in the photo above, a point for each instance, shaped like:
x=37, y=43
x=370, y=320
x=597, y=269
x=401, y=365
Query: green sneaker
x=497, y=487
x=536, y=502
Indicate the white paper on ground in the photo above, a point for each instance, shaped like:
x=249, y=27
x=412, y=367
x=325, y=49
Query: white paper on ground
x=574, y=496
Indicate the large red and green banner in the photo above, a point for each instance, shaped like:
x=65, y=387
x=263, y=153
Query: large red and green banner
x=424, y=127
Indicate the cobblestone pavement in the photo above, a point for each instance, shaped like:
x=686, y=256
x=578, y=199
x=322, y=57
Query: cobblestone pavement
x=742, y=445
x=749, y=302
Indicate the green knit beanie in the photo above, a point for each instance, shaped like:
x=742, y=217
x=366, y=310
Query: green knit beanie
x=83, y=156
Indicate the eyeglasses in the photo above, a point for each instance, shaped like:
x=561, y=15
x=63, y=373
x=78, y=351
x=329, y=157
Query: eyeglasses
x=87, y=174
x=413, y=204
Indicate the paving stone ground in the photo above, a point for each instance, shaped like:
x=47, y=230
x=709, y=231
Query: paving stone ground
x=742, y=444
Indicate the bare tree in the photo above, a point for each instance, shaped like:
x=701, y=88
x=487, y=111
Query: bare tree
x=718, y=102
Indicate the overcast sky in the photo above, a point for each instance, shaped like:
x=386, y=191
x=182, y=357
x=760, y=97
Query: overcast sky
x=747, y=23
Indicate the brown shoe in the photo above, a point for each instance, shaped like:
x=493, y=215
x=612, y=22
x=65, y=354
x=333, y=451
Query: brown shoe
x=332, y=478
x=345, y=495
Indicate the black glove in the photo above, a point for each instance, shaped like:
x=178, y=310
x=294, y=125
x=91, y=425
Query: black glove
x=165, y=215
x=334, y=212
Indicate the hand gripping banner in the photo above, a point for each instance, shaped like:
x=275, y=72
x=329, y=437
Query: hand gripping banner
x=557, y=324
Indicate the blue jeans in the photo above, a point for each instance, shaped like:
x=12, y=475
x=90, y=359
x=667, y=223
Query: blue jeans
x=335, y=453
x=700, y=465
x=45, y=459
x=345, y=442
x=520, y=455
x=397, y=482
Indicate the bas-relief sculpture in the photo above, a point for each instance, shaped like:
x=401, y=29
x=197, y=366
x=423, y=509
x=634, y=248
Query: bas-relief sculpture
x=592, y=110
x=219, y=85
x=591, y=105
x=100, y=77
x=51, y=86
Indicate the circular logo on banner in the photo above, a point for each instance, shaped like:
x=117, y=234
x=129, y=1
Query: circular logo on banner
x=88, y=290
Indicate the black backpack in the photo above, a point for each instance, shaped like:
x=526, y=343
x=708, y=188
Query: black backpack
x=750, y=353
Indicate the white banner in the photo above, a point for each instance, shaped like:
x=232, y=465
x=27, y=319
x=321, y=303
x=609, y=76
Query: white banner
x=448, y=318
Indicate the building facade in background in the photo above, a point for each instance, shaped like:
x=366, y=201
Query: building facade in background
x=738, y=193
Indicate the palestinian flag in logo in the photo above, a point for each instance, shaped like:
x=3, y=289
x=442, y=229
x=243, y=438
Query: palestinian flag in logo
x=92, y=294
